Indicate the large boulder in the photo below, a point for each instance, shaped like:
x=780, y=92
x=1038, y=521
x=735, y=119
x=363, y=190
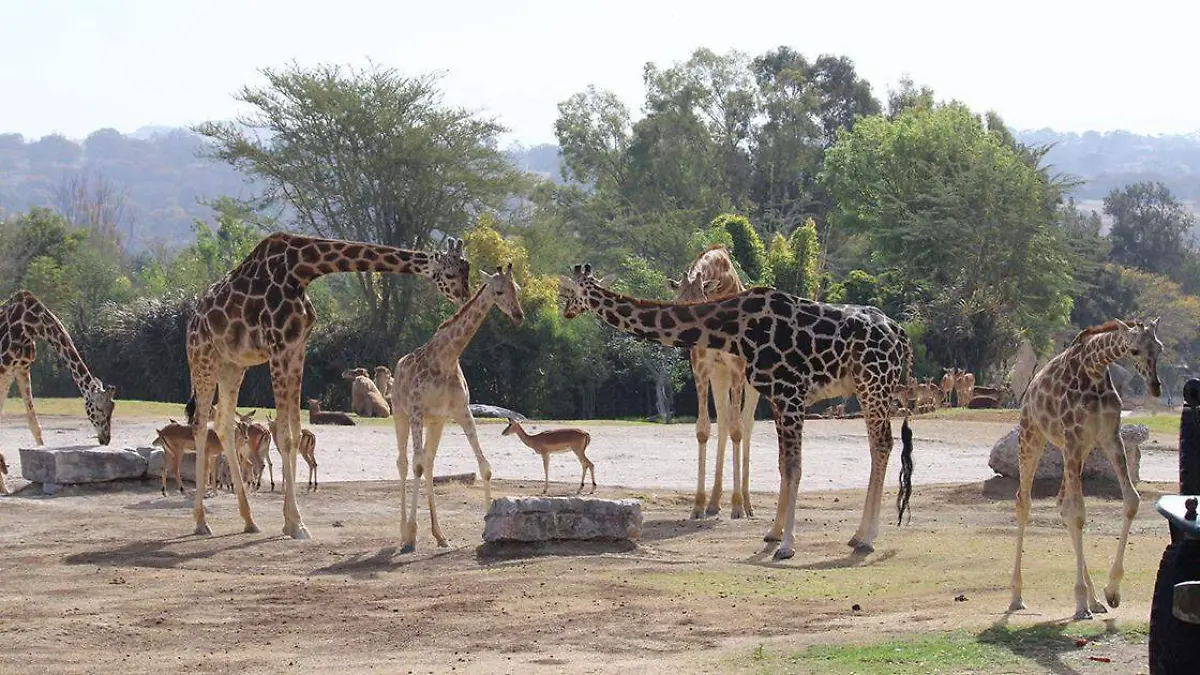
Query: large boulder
x=80, y=464
x=1005, y=460
x=532, y=519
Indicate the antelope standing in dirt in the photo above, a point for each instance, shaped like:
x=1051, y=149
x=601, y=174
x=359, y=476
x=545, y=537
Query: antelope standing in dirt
x=176, y=439
x=549, y=442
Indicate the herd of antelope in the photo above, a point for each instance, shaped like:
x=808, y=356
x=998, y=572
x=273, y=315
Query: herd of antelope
x=956, y=389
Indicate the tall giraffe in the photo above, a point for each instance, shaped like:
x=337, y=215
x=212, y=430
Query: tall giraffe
x=797, y=352
x=24, y=319
x=260, y=313
x=429, y=386
x=1072, y=403
x=712, y=277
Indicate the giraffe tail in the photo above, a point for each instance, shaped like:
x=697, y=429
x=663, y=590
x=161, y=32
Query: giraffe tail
x=906, y=469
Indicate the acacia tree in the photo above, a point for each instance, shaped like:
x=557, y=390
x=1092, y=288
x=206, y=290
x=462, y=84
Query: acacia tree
x=367, y=155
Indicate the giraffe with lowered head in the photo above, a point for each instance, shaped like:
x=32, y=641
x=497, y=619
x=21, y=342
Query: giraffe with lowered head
x=429, y=386
x=712, y=277
x=260, y=313
x=1072, y=403
x=797, y=352
x=23, y=320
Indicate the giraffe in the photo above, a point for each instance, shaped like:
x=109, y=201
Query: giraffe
x=429, y=386
x=711, y=277
x=797, y=352
x=24, y=319
x=260, y=313
x=1072, y=403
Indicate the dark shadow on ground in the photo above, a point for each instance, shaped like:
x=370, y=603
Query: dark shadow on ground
x=158, y=553
x=1045, y=643
x=660, y=530
x=491, y=552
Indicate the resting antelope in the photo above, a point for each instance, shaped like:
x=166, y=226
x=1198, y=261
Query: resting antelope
x=307, y=449
x=318, y=416
x=556, y=440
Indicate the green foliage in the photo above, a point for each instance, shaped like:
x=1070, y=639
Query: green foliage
x=1149, y=228
x=940, y=199
x=747, y=248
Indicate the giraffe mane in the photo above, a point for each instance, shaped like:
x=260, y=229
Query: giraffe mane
x=1106, y=327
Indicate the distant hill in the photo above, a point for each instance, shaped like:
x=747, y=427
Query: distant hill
x=167, y=179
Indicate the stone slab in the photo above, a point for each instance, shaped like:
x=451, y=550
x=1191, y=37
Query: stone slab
x=1004, y=458
x=80, y=464
x=532, y=519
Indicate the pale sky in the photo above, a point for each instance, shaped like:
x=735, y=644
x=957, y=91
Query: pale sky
x=74, y=66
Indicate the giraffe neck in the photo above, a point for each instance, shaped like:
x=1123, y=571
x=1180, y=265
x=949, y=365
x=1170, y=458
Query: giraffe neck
x=711, y=324
x=47, y=327
x=1102, y=350
x=455, y=333
x=309, y=258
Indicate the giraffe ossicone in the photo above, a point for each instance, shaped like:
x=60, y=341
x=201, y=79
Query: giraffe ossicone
x=797, y=352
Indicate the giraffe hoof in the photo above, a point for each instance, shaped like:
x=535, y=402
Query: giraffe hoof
x=1098, y=608
x=783, y=554
x=251, y=528
x=736, y=513
x=864, y=549
x=408, y=548
x=697, y=513
x=772, y=537
x=712, y=511
x=749, y=512
x=854, y=542
x=1017, y=605
x=1113, y=598
x=202, y=529
x=300, y=532
x=442, y=544
x=1083, y=615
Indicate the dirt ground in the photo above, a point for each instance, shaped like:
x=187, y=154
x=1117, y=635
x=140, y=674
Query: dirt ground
x=107, y=580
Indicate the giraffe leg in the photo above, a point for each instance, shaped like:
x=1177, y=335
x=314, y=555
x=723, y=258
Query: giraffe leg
x=286, y=370
x=230, y=385
x=432, y=438
x=1073, y=514
x=791, y=428
x=416, y=428
x=5, y=383
x=703, y=427
x=26, y=390
x=749, y=404
x=879, y=435
x=1114, y=447
x=720, y=393
x=464, y=419
x=203, y=391
x=776, y=531
x=1031, y=445
x=402, y=423
x=737, y=391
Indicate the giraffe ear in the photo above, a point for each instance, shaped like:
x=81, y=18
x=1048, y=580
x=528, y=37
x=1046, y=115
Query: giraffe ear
x=1154, y=322
x=587, y=268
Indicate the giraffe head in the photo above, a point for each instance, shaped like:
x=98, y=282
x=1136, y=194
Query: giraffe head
x=451, y=272
x=1144, y=348
x=693, y=288
x=98, y=404
x=573, y=290
x=505, y=290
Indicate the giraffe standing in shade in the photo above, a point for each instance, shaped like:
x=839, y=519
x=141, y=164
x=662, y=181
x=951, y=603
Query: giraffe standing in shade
x=429, y=386
x=1072, y=403
x=24, y=319
x=260, y=313
x=797, y=352
x=712, y=277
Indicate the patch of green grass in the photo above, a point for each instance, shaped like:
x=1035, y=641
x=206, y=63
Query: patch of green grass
x=1159, y=424
x=995, y=649
x=974, y=415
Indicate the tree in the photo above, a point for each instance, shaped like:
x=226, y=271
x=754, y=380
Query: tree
x=1150, y=228
x=940, y=199
x=370, y=156
x=793, y=260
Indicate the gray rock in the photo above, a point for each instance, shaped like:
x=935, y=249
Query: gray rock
x=1004, y=458
x=80, y=464
x=490, y=411
x=154, y=461
x=562, y=518
x=51, y=488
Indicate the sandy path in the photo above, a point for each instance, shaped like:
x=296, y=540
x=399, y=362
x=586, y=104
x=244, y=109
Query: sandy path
x=635, y=456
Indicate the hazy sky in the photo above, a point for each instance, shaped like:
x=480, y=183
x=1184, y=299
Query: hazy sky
x=74, y=66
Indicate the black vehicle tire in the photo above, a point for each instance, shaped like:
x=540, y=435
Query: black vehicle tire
x=1174, y=644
